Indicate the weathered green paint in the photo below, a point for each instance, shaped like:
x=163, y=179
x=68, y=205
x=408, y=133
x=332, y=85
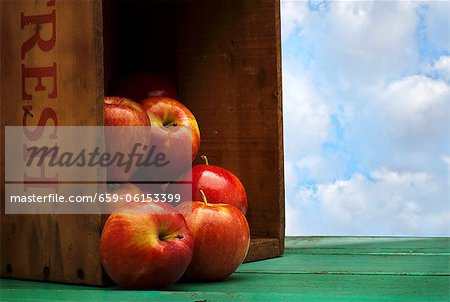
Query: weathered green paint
x=313, y=269
x=295, y=262
x=370, y=245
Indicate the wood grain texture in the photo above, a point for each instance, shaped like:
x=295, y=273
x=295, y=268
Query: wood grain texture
x=293, y=277
x=2, y=147
x=371, y=245
x=53, y=247
x=229, y=75
x=251, y=287
x=263, y=248
x=356, y=264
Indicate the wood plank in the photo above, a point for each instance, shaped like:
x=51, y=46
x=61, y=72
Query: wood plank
x=360, y=255
x=53, y=247
x=370, y=245
x=251, y=287
x=294, y=262
x=2, y=145
x=263, y=248
x=206, y=296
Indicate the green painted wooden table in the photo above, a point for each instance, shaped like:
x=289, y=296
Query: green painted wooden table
x=312, y=269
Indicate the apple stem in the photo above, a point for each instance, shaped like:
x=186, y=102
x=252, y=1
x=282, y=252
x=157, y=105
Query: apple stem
x=205, y=159
x=204, y=197
x=171, y=124
x=178, y=236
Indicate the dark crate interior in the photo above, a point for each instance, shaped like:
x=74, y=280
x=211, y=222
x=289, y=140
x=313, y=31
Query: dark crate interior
x=224, y=57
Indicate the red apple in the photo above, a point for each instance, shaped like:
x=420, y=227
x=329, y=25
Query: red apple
x=219, y=184
x=119, y=111
x=145, y=245
x=175, y=134
x=221, y=239
x=139, y=86
x=125, y=113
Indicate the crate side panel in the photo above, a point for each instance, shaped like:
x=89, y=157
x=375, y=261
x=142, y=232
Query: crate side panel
x=61, y=248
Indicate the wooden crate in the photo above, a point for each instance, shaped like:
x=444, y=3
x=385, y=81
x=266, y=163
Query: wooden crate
x=225, y=58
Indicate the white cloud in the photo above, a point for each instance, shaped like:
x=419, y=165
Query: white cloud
x=306, y=115
x=416, y=105
x=289, y=172
x=293, y=224
x=360, y=42
x=404, y=124
x=294, y=15
x=319, y=167
x=442, y=67
x=391, y=202
x=446, y=160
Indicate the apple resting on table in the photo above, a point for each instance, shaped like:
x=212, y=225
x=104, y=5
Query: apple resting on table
x=145, y=245
x=221, y=239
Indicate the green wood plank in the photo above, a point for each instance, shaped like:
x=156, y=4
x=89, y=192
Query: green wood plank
x=265, y=287
x=213, y=297
x=313, y=269
x=216, y=297
x=370, y=245
x=359, y=255
x=296, y=262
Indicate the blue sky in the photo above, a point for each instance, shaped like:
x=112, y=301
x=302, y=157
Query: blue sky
x=366, y=97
